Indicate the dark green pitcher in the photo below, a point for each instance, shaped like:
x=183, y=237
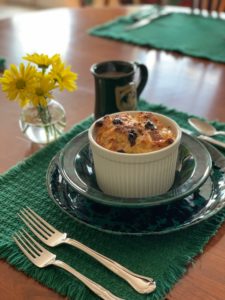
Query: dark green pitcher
x=118, y=85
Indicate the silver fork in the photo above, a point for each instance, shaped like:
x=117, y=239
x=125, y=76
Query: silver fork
x=143, y=22
x=41, y=258
x=52, y=237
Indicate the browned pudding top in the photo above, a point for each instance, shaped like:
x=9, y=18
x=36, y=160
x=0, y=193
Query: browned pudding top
x=133, y=133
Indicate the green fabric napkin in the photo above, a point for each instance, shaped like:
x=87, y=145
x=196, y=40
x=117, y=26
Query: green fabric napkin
x=165, y=257
x=189, y=34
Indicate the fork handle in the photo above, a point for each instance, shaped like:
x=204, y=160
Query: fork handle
x=95, y=287
x=140, y=283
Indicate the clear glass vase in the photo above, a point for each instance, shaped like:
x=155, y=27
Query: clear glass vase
x=43, y=125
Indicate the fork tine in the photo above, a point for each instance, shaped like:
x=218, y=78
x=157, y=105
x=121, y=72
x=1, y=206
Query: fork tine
x=38, y=220
x=31, y=242
x=20, y=243
x=33, y=227
x=40, y=248
x=47, y=225
x=41, y=237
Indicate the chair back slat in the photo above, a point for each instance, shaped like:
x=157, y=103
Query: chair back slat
x=200, y=5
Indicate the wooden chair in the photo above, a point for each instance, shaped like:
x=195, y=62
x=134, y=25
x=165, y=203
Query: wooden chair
x=99, y=3
x=202, y=5
x=209, y=5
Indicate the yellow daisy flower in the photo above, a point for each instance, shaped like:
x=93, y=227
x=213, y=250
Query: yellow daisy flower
x=19, y=83
x=42, y=92
x=42, y=60
x=65, y=78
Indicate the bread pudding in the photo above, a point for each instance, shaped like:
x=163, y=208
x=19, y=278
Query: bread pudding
x=134, y=153
x=139, y=132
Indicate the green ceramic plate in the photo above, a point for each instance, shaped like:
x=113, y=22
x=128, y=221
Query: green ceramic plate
x=193, y=168
x=160, y=219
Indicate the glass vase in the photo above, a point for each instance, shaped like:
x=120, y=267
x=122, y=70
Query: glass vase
x=43, y=125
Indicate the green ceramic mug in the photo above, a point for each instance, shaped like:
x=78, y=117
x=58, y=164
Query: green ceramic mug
x=118, y=85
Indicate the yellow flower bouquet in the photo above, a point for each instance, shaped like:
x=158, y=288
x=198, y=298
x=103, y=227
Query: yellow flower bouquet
x=42, y=118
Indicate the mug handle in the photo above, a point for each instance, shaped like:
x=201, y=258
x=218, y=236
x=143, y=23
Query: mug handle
x=143, y=78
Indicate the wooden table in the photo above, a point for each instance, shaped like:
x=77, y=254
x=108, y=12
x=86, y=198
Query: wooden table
x=192, y=85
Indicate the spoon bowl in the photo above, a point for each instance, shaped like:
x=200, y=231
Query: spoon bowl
x=204, y=127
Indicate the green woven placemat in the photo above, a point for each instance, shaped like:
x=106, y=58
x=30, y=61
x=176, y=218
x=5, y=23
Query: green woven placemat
x=165, y=258
x=189, y=34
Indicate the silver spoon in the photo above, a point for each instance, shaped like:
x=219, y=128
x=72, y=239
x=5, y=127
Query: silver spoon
x=204, y=127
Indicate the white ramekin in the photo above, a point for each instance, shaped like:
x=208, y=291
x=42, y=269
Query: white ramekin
x=136, y=175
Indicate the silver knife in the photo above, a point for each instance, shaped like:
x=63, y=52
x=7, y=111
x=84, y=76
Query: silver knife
x=217, y=157
x=205, y=138
x=146, y=21
x=211, y=141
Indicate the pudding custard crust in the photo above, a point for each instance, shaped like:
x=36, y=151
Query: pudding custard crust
x=139, y=132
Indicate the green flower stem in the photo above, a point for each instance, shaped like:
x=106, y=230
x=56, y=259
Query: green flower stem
x=46, y=118
x=25, y=129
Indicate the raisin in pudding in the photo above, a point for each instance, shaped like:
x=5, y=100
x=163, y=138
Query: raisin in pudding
x=133, y=133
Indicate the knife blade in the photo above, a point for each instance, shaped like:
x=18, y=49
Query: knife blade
x=205, y=138
x=146, y=21
x=212, y=141
x=217, y=157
